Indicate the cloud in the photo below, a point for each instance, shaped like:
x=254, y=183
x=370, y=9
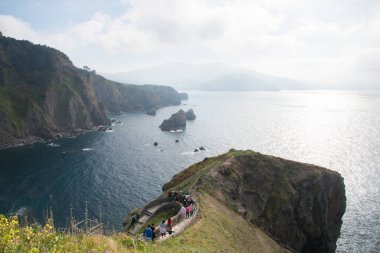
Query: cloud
x=327, y=41
x=17, y=28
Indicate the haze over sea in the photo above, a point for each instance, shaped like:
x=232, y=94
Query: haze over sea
x=120, y=170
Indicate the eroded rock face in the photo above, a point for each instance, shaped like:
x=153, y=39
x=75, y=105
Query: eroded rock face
x=176, y=122
x=190, y=115
x=299, y=205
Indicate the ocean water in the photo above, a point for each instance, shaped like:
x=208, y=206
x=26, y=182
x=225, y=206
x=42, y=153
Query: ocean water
x=121, y=169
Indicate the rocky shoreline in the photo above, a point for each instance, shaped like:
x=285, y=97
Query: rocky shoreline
x=29, y=140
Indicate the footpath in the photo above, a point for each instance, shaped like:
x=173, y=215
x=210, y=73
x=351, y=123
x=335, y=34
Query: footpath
x=179, y=227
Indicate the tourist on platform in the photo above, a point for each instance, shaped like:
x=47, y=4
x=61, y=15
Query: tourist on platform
x=183, y=212
x=162, y=229
x=153, y=231
x=148, y=233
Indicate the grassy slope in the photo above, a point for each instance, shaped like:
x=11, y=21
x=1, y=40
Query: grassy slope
x=218, y=228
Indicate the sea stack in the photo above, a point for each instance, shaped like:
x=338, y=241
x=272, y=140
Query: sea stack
x=176, y=122
x=190, y=115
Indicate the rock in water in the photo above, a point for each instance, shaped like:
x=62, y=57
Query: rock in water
x=177, y=141
x=190, y=115
x=151, y=112
x=176, y=122
x=196, y=150
x=202, y=148
x=155, y=144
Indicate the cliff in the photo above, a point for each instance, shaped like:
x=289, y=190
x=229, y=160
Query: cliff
x=128, y=97
x=298, y=205
x=42, y=94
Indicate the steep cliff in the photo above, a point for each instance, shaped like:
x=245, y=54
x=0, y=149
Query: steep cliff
x=42, y=94
x=299, y=205
x=128, y=97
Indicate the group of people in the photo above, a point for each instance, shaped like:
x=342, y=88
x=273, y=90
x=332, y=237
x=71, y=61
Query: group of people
x=188, y=204
x=187, y=210
x=184, y=198
x=165, y=227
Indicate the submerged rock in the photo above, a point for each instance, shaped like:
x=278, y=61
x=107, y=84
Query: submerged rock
x=176, y=122
x=190, y=115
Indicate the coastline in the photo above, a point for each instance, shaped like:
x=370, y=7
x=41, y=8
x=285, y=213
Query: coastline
x=29, y=140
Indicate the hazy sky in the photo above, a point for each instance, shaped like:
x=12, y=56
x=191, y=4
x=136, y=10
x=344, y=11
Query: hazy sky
x=334, y=41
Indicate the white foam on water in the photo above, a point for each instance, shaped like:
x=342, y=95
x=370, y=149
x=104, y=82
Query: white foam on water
x=176, y=131
x=87, y=149
x=54, y=145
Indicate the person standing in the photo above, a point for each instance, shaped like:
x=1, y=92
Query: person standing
x=188, y=212
x=170, y=223
x=153, y=231
x=162, y=228
x=148, y=233
x=183, y=212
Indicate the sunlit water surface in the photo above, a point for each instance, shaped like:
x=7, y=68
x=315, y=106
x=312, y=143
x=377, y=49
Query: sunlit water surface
x=120, y=170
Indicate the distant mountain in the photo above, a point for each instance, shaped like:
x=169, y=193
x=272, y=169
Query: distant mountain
x=43, y=95
x=212, y=77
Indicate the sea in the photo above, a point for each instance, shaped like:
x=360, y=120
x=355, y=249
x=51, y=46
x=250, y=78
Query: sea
x=116, y=171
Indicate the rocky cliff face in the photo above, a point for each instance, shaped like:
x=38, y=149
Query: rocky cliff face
x=190, y=115
x=127, y=98
x=299, y=205
x=42, y=94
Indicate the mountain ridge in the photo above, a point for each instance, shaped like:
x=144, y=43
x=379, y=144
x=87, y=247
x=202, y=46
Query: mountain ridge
x=201, y=77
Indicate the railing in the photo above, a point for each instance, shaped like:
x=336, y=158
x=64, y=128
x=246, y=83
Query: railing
x=86, y=226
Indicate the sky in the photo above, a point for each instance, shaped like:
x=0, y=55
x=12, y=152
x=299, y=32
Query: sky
x=320, y=41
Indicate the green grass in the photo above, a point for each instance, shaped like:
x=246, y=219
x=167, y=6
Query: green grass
x=219, y=229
